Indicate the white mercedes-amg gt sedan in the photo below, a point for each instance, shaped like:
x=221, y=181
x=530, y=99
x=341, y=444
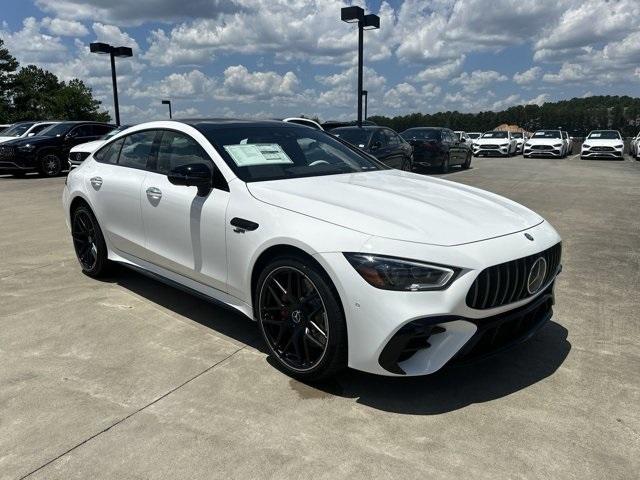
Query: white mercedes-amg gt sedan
x=341, y=260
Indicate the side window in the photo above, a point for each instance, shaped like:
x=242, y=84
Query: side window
x=101, y=129
x=179, y=149
x=82, y=131
x=137, y=149
x=38, y=128
x=109, y=154
x=392, y=138
x=379, y=136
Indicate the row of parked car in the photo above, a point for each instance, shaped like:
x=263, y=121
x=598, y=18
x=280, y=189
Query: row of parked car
x=49, y=147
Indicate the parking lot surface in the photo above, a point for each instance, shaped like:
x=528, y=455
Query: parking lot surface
x=129, y=378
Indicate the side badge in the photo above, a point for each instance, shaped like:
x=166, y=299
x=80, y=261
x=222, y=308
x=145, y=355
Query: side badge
x=529, y=236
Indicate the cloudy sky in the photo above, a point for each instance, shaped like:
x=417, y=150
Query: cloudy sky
x=273, y=58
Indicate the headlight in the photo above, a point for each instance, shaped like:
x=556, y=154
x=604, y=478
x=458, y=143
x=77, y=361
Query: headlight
x=390, y=273
x=557, y=145
x=584, y=145
x=619, y=146
x=27, y=148
x=527, y=144
x=504, y=145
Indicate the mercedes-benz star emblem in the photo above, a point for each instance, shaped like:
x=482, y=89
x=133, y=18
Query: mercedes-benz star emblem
x=536, y=275
x=296, y=316
x=529, y=236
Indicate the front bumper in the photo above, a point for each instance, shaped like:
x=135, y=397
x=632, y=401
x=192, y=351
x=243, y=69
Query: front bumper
x=12, y=159
x=542, y=151
x=494, y=150
x=374, y=317
x=591, y=153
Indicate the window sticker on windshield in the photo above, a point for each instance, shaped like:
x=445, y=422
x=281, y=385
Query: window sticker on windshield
x=596, y=135
x=247, y=155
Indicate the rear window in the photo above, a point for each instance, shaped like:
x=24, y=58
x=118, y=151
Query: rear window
x=421, y=134
x=355, y=136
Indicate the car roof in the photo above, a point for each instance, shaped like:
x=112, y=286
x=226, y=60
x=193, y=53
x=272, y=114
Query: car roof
x=363, y=127
x=235, y=122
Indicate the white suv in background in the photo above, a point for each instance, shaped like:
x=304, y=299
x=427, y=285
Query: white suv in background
x=24, y=130
x=603, y=144
x=546, y=143
x=495, y=143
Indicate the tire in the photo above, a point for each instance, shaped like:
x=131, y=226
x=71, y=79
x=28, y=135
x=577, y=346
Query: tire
x=49, y=165
x=444, y=168
x=407, y=164
x=467, y=163
x=305, y=343
x=88, y=243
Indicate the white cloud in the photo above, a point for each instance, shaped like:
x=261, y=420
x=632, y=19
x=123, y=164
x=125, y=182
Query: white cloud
x=30, y=45
x=64, y=28
x=240, y=83
x=342, y=87
x=528, y=76
x=405, y=96
x=192, y=85
x=441, y=71
x=478, y=79
x=114, y=36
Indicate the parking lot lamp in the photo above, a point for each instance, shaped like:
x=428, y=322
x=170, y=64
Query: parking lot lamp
x=168, y=102
x=121, y=52
x=365, y=22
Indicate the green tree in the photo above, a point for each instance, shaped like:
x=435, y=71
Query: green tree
x=34, y=93
x=74, y=101
x=8, y=66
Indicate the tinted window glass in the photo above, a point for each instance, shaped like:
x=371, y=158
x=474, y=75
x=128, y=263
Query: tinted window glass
x=179, y=149
x=109, y=154
x=392, y=138
x=137, y=149
x=82, y=131
x=101, y=129
x=38, y=128
x=496, y=135
x=355, y=136
x=17, y=130
x=269, y=152
x=421, y=134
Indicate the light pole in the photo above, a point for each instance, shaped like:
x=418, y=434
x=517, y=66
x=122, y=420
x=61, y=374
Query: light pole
x=167, y=102
x=365, y=93
x=121, y=52
x=365, y=22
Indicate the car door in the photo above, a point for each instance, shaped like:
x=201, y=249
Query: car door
x=454, y=146
x=380, y=147
x=114, y=187
x=396, y=153
x=185, y=232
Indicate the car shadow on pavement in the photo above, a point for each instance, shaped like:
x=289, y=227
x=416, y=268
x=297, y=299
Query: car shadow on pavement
x=450, y=389
x=454, y=387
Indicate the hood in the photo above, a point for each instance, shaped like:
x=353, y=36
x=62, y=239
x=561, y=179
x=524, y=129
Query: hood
x=400, y=205
x=37, y=140
x=544, y=141
x=603, y=142
x=7, y=139
x=491, y=141
x=88, y=147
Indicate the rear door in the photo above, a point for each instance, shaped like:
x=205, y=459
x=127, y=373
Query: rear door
x=115, y=186
x=380, y=147
x=185, y=232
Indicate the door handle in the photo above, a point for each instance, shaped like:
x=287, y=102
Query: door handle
x=96, y=182
x=154, y=193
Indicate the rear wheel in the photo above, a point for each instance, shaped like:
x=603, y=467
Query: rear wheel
x=300, y=318
x=50, y=165
x=88, y=242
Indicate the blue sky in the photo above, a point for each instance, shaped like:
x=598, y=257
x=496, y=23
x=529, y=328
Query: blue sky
x=273, y=58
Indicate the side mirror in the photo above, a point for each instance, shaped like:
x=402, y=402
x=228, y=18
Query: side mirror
x=193, y=175
x=376, y=145
x=463, y=140
x=31, y=134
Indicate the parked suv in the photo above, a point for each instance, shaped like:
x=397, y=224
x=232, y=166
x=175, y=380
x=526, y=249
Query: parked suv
x=437, y=147
x=381, y=142
x=46, y=152
x=24, y=130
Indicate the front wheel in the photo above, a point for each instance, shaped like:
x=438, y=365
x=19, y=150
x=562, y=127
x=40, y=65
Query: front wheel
x=50, y=165
x=88, y=242
x=300, y=318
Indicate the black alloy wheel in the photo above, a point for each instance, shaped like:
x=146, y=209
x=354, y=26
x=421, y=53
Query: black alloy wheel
x=50, y=165
x=88, y=242
x=300, y=319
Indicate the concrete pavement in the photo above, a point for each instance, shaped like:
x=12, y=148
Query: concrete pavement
x=129, y=378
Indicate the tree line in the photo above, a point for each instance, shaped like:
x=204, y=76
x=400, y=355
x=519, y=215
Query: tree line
x=578, y=116
x=32, y=93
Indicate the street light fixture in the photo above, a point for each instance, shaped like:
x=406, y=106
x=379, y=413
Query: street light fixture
x=120, y=52
x=365, y=22
x=365, y=93
x=168, y=102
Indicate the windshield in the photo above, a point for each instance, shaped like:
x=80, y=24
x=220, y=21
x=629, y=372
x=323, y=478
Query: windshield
x=17, y=130
x=516, y=134
x=605, y=134
x=547, y=134
x=473, y=135
x=355, y=136
x=114, y=132
x=56, y=130
x=496, y=135
x=259, y=153
x=421, y=134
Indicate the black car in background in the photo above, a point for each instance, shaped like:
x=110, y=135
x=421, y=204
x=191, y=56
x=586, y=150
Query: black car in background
x=47, y=152
x=380, y=142
x=438, y=147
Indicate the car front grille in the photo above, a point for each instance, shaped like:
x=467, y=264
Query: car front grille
x=6, y=152
x=78, y=157
x=507, y=282
x=489, y=146
x=542, y=147
x=602, y=149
